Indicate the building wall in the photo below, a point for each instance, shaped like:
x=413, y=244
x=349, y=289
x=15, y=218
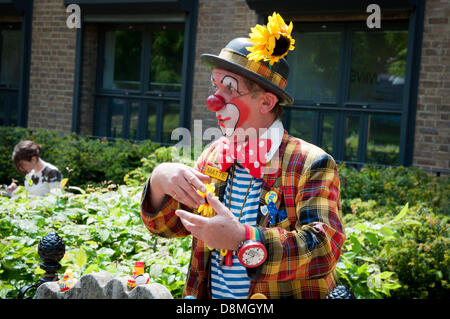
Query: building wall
x=52, y=67
x=219, y=21
x=432, y=132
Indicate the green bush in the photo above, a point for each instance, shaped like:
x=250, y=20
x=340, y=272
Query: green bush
x=394, y=186
x=402, y=256
x=163, y=154
x=85, y=161
x=102, y=230
x=396, y=221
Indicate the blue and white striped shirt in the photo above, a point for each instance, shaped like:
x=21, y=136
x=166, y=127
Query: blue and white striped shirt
x=232, y=281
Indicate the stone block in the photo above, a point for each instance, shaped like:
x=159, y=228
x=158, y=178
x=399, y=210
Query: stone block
x=102, y=285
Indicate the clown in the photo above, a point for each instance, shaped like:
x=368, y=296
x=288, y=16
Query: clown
x=276, y=230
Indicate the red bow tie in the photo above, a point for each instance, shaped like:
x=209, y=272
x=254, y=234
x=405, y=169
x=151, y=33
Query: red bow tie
x=251, y=155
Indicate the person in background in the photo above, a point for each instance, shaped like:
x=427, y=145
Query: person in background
x=41, y=176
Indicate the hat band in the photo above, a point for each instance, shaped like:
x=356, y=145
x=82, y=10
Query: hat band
x=256, y=67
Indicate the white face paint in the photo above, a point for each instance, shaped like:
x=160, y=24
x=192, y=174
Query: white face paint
x=227, y=118
x=235, y=110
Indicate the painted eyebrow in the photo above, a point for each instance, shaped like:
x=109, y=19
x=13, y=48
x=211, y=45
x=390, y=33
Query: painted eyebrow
x=232, y=80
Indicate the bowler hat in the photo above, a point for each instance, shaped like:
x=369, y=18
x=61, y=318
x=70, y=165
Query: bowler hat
x=233, y=58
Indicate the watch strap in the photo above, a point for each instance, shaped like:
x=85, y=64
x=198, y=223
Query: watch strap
x=252, y=233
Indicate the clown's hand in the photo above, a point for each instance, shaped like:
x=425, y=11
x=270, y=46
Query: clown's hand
x=179, y=181
x=223, y=231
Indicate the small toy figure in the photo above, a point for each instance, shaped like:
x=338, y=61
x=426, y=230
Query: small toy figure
x=138, y=277
x=67, y=281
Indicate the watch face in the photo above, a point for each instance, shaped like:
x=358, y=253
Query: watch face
x=253, y=256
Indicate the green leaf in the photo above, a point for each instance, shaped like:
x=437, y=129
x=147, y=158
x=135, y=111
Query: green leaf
x=105, y=251
x=386, y=231
x=116, y=211
x=80, y=258
x=361, y=227
x=372, y=238
x=155, y=270
x=402, y=213
x=362, y=269
x=356, y=248
x=385, y=274
x=91, y=268
x=103, y=234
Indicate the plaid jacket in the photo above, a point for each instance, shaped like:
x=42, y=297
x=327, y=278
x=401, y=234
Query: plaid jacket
x=302, y=250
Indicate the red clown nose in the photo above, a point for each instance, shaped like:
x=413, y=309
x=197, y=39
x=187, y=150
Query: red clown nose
x=215, y=102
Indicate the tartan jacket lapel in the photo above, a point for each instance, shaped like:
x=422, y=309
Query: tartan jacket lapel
x=273, y=181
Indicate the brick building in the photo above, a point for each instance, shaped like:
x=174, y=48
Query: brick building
x=133, y=70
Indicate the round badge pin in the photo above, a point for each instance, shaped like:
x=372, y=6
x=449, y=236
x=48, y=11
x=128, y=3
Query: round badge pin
x=271, y=197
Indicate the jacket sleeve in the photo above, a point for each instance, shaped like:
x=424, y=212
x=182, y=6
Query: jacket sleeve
x=163, y=221
x=313, y=248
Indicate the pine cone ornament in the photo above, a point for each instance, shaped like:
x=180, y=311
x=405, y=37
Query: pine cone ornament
x=51, y=250
x=340, y=292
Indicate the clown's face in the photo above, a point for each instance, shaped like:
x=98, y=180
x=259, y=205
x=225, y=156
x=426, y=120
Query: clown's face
x=232, y=102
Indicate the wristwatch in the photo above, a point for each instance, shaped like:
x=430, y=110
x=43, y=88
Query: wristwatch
x=251, y=253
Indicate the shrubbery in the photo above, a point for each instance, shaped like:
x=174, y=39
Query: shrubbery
x=397, y=225
x=396, y=221
x=102, y=230
x=85, y=161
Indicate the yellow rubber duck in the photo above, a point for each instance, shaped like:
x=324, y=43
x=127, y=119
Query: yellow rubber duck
x=67, y=281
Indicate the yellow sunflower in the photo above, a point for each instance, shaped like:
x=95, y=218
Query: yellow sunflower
x=271, y=42
x=205, y=209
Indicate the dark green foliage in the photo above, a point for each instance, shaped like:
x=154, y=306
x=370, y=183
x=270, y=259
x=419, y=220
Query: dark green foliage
x=85, y=161
x=393, y=186
x=396, y=222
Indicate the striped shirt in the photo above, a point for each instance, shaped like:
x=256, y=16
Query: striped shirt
x=232, y=281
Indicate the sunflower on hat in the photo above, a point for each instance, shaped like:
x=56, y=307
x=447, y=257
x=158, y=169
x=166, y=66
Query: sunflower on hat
x=271, y=42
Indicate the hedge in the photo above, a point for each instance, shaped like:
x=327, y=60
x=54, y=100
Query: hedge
x=396, y=220
x=84, y=160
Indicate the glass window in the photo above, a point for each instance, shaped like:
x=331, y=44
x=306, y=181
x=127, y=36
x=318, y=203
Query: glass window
x=344, y=77
x=378, y=65
x=328, y=132
x=10, y=52
x=10, y=57
x=383, y=139
x=110, y=114
x=122, y=60
x=143, y=64
x=171, y=119
x=351, y=138
x=116, y=116
x=101, y=117
x=3, y=109
x=152, y=113
x=166, y=60
x=315, y=66
x=300, y=123
x=134, y=120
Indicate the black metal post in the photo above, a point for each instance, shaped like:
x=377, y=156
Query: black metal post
x=51, y=250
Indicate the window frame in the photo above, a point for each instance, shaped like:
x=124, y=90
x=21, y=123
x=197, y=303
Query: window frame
x=8, y=91
x=342, y=107
x=144, y=95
